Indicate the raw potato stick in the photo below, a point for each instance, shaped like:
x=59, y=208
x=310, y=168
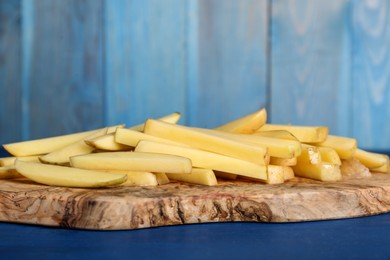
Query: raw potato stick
x=66, y=176
x=108, y=142
x=305, y=134
x=134, y=161
x=247, y=124
x=207, y=160
x=208, y=142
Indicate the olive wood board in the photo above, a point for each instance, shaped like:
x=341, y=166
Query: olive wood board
x=121, y=208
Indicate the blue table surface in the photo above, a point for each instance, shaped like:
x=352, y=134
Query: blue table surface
x=358, y=238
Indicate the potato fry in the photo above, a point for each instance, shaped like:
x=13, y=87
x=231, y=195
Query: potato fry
x=305, y=134
x=108, y=142
x=371, y=160
x=283, y=161
x=321, y=171
x=208, y=142
x=197, y=176
x=207, y=160
x=133, y=161
x=62, y=156
x=66, y=176
x=276, y=147
x=344, y=146
x=247, y=124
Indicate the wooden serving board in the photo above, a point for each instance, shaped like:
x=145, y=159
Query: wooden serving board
x=299, y=199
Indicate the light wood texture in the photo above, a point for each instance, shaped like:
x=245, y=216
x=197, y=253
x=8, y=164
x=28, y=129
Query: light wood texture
x=230, y=62
x=371, y=73
x=10, y=69
x=64, y=70
x=145, y=59
x=298, y=199
x=310, y=64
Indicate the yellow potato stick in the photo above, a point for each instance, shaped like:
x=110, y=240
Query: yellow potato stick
x=208, y=142
x=197, y=176
x=207, y=160
x=283, y=161
x=131, y=138
x=171, y=118
x=61, y=156
x=247, y=124
x=276, y=147
x=305, y=134
x=321, y=171
x=108, y=142
x=371, y=160
x=344, y=146
x=134, y=161
x=329, y=155
x=66, y=176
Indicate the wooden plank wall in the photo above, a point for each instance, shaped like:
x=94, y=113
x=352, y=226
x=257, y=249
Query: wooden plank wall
x=72, y=65
x=10, y=71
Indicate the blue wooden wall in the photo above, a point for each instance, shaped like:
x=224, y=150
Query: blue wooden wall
x=72, y=65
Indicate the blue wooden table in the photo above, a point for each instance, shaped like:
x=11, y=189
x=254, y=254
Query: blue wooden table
x=360, y=238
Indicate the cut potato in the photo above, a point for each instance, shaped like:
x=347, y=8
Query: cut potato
x=247, y=124
x=66, y=176
x=131, y=138
x=276, y=147
x=136, y=178
x=281, y=134
x=305, y=134
x=329, y=155
x=288, y=173
x=344, y=146
x=321, y=171
x=283, y=161
x=45, y=145
x=162, y=178
x=171, y=118
x=384, y=168
x=371, y=160
x=11, y=160
x=61, y=156
x=207, y=160
x=354, y=168
x=5, y=161
x=8, y=172
x=133, y=161
x=197, y=176
x=108, y=142
x=275, y=174
x=309, y=155
x=208, y=142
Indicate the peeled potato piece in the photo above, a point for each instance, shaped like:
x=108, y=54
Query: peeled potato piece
x=208, y=142
x=197, y=176
x=305, y=134
x=247, y=124
x=65, y=176
x=134, y=161
x=207, y=160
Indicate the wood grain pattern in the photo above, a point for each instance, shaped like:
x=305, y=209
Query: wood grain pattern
x=23, y=201
x=310, y=63
x=371, y=73
x=65, y=66
x=10, y=69
x=231, y=61
x=145, y=59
